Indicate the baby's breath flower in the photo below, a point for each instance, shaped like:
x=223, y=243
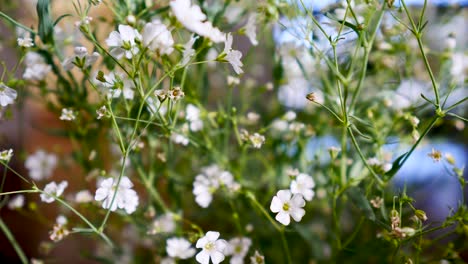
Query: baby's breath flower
x=287, y=205
x=188, y=52
x=59, y=230
x=5, y=155
x=176, y=94
x=193, y=117
x=193, y=19
x=231, y=80
x=163, y=224
x=7, y=95
x=40, y=165
x=36, y=67
x=257, y=258
x=124, y=42
x=52, y=190
x=16, y=202
x=231, y=56
x=101, y=112
x=253, y=117
x=179, y=139
x=210, y=180
x=238, y=248
x=81, y=59
x=179, y=248
x=250, y=29
x=83, y=196
x=290, y=116
x=157, y=37
x=125, y=198
x=25, y=42
x=67, y=114
x=435, y=155
x=257, y=140
x=84, y=21
x=303, y=184
x=212, y=248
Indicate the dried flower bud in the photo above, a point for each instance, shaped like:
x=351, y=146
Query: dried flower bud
x=311, y=97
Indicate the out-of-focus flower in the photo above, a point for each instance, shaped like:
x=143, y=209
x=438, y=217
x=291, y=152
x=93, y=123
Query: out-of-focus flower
x=250, y=29
x=7, y=95
x=81, y=59
x=52, y=190
x=208, y=181
x=16, y=202
x=67, y=114
x=5, y=155
x=179, y=248
x=125, y=197
x=180, y=139
x=163, y=224
x=238, y=248
x=257, y=140
x=40, y=165
x=83, y=196
x=157, y=37
x=303, y=184
x=36, y=68
x=194, y=20
x=193, y=116
x=257, y=258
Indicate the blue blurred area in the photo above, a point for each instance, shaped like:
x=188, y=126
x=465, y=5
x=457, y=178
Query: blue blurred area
x=317, y=5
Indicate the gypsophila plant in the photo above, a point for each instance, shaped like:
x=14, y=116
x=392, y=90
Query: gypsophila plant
x=205, y=132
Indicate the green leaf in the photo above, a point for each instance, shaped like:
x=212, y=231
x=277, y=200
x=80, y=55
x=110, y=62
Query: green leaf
x=46, y=25
x=60, y=18
x=360, y=200
x=395, y=166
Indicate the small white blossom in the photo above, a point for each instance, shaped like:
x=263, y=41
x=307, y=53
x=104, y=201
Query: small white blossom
x=290, y=116
x=52, y=190
x=36, y=67
x=179, y=248
x=84, y=21
x=16, y=202
x=210, y=180
x=124, y=42
x=83, y=196
x=25, y=42
x=193, y=117
x=287, y=206
x=257, y=258
x=232, y=56
x=125, y=197
x=5, y=155
x=59, y=231
x=180, y=139
x=250, y=29
x=67, y=114
x=157, y=37
x=238, y=248
x=41, y=165
x=303, y=184
x=253, y=117
x=163, y=224
x=175, y=94
x=257, y=140
x=212, y=248
x=7, y=95
x=81, y=59
x=101, y=112
x=231, y=80
x=115, y=85
x=194, y=20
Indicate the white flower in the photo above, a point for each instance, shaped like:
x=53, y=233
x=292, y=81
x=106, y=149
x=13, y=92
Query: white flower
x=124, y=42
x=238, y=248
x=16, y=202
x=83, y=196
x=25, y=42
x=156, y=36
x=81, y=59
x=304, y=185
x=193, y=19
x=7, y=95
x=179, y=248
x=257, y=140
x=193, y=116
x=52, y=190
x=67, y=114
x=125, y=197
x=36, y=72
x=40, y=165
x=212, y=248
x=163, y=224
x=6, y=155
x=59, y=231
x=287, y=205
x=101, y=112
x=290, y=116
x=231, y=80
x=206, y=183
x=250, y=29
x=175, y=94
x=232, y=56
x=116, y=85
x=179, y=139
x=188, y=51
x=257, y=258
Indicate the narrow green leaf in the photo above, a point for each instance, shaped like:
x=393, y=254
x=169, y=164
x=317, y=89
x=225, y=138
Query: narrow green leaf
x=60, y=18
x=360, y=200
x=395, y=166
x=46, y=26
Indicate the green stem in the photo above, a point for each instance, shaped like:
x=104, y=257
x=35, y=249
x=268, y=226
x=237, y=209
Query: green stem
x=13, y=242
